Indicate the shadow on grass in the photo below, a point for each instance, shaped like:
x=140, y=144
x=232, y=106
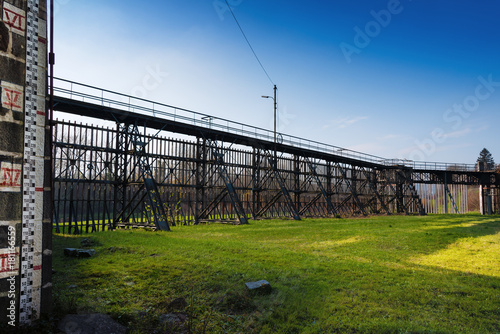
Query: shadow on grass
x=367, y=286
x=446, y=231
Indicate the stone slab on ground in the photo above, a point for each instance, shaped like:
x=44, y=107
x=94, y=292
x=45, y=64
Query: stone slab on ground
x=75, y=252
x=259, y=286
x=90, y=324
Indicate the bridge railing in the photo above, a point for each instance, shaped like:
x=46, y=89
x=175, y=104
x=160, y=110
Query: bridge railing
x=86, y=93
x=107, y=98
x=426, y=165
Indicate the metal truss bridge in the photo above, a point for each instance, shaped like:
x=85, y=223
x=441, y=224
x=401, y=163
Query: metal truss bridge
x=130, y=174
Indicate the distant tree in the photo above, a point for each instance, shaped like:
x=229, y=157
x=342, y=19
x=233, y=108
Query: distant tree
x=486, y=159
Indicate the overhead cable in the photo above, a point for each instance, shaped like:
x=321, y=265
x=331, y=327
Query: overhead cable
x=248, y=42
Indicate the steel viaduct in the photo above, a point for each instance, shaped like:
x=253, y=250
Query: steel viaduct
x=131, y=174
x=127, y=172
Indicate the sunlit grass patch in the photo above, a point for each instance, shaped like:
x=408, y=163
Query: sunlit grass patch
x=475, y=255
x=391, y=274
x=326, y=245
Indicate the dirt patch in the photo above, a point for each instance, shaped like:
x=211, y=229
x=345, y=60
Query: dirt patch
x=235, y=303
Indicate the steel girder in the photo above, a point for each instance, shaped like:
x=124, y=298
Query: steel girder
x=409, y=197
x=99, y=176
x=201, y=172
x=218, y=155
x=156, y=207
x=84, y=177
x=268, y=177
x=281, y=182
x=219, y=179
x=134, y=144
x=323, y=192
x=121, y=173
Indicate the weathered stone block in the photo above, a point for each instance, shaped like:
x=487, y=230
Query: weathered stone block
x=75, y=252
x=11, y=204
x=261, y=286
x=12, y=71
x=11, y=137
x=4, y=37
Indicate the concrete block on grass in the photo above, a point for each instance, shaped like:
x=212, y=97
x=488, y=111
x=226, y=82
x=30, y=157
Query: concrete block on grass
x=75, y=252
x=261, y=286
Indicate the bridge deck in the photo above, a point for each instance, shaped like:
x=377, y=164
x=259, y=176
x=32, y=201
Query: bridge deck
x=103, y=104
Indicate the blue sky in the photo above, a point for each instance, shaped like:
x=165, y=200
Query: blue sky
x=414, y=79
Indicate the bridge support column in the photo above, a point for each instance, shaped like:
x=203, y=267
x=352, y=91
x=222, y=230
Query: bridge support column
x=201, y=171
x=324, y=192
x=218, y=155
x=296, y=181
x=255, y=182
x=485, y=200
x=120, y=185
x=400, y=208
x=445, y=196
x=25, y=168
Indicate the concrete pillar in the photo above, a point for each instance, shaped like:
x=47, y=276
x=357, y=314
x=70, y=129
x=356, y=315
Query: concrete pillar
x=25, y=224
x=489, y=203
x=494, y=200
x=485, y=200
x=481, y=200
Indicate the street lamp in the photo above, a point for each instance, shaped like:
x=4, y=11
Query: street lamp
x=275, y=107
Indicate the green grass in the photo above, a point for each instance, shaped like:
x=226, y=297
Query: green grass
x=396, y=274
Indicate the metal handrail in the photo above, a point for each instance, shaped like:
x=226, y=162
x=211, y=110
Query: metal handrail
x=86, y=93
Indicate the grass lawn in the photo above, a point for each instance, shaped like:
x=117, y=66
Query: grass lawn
x=389, y=274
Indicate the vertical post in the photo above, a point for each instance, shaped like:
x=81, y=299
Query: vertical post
x=52, y=62
x=481, y=199
x=296, y=178
x=494, y=199
x=399, y=193
x=275, y=148
x=485, y=200
x=255, y=182
x=466, y=199
x=121, y=175
x=25, y=182
x=489, y=206
x=201, y=171
x=328, y=181
x=445, y=194
x=354, y=190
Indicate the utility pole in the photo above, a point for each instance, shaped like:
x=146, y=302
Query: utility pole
x=275, y=134
x=275, y=110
